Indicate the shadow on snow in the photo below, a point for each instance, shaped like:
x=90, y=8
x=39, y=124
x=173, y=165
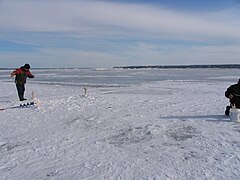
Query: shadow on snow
x=216, y=118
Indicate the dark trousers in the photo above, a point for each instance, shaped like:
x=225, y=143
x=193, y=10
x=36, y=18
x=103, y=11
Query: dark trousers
x=237, y=105
x=20, y=89
x=236, y=102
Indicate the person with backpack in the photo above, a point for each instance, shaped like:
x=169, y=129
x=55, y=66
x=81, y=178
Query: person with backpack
x=233, y=93
x=22, y=74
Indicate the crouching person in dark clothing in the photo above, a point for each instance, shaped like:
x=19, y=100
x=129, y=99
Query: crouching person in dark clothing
x=22, y=74
x=233, y=93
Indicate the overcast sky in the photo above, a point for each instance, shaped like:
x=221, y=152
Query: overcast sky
x=107, y=33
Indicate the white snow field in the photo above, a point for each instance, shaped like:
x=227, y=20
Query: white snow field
x=172, y=128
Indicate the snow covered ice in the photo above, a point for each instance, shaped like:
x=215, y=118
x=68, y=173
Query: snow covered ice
x=132, y=124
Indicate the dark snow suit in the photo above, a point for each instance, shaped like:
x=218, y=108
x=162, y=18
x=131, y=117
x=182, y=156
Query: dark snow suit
x=235, y=91
x=20, y=80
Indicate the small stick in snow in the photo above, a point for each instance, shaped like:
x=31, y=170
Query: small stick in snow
x=33, y=95
x=85, y=91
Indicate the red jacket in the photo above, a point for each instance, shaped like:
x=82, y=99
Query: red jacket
x=21, y=75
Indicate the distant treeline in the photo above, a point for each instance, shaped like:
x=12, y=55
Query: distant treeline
x=220, y=66
x=213, y=66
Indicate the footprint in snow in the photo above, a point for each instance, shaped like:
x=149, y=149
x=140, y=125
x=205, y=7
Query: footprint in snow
x=130, y=136
x=182, y=133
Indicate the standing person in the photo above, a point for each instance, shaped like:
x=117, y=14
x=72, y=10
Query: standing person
x=21, y=76
x=233, y=93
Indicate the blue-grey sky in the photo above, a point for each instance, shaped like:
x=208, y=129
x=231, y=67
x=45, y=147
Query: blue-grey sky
x=107, y=33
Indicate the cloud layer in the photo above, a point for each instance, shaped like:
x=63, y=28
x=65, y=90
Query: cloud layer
x=129, y=31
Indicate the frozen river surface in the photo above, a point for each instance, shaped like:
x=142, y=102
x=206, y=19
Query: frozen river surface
x=132, y=124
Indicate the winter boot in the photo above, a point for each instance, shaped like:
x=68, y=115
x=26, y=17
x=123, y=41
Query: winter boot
x=227, y=111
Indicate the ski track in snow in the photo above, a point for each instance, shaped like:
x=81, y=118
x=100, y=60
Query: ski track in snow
x=162, y=130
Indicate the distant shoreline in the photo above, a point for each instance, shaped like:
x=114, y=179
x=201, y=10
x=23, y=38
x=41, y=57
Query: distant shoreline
x=204, y=66
x=211, y=66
